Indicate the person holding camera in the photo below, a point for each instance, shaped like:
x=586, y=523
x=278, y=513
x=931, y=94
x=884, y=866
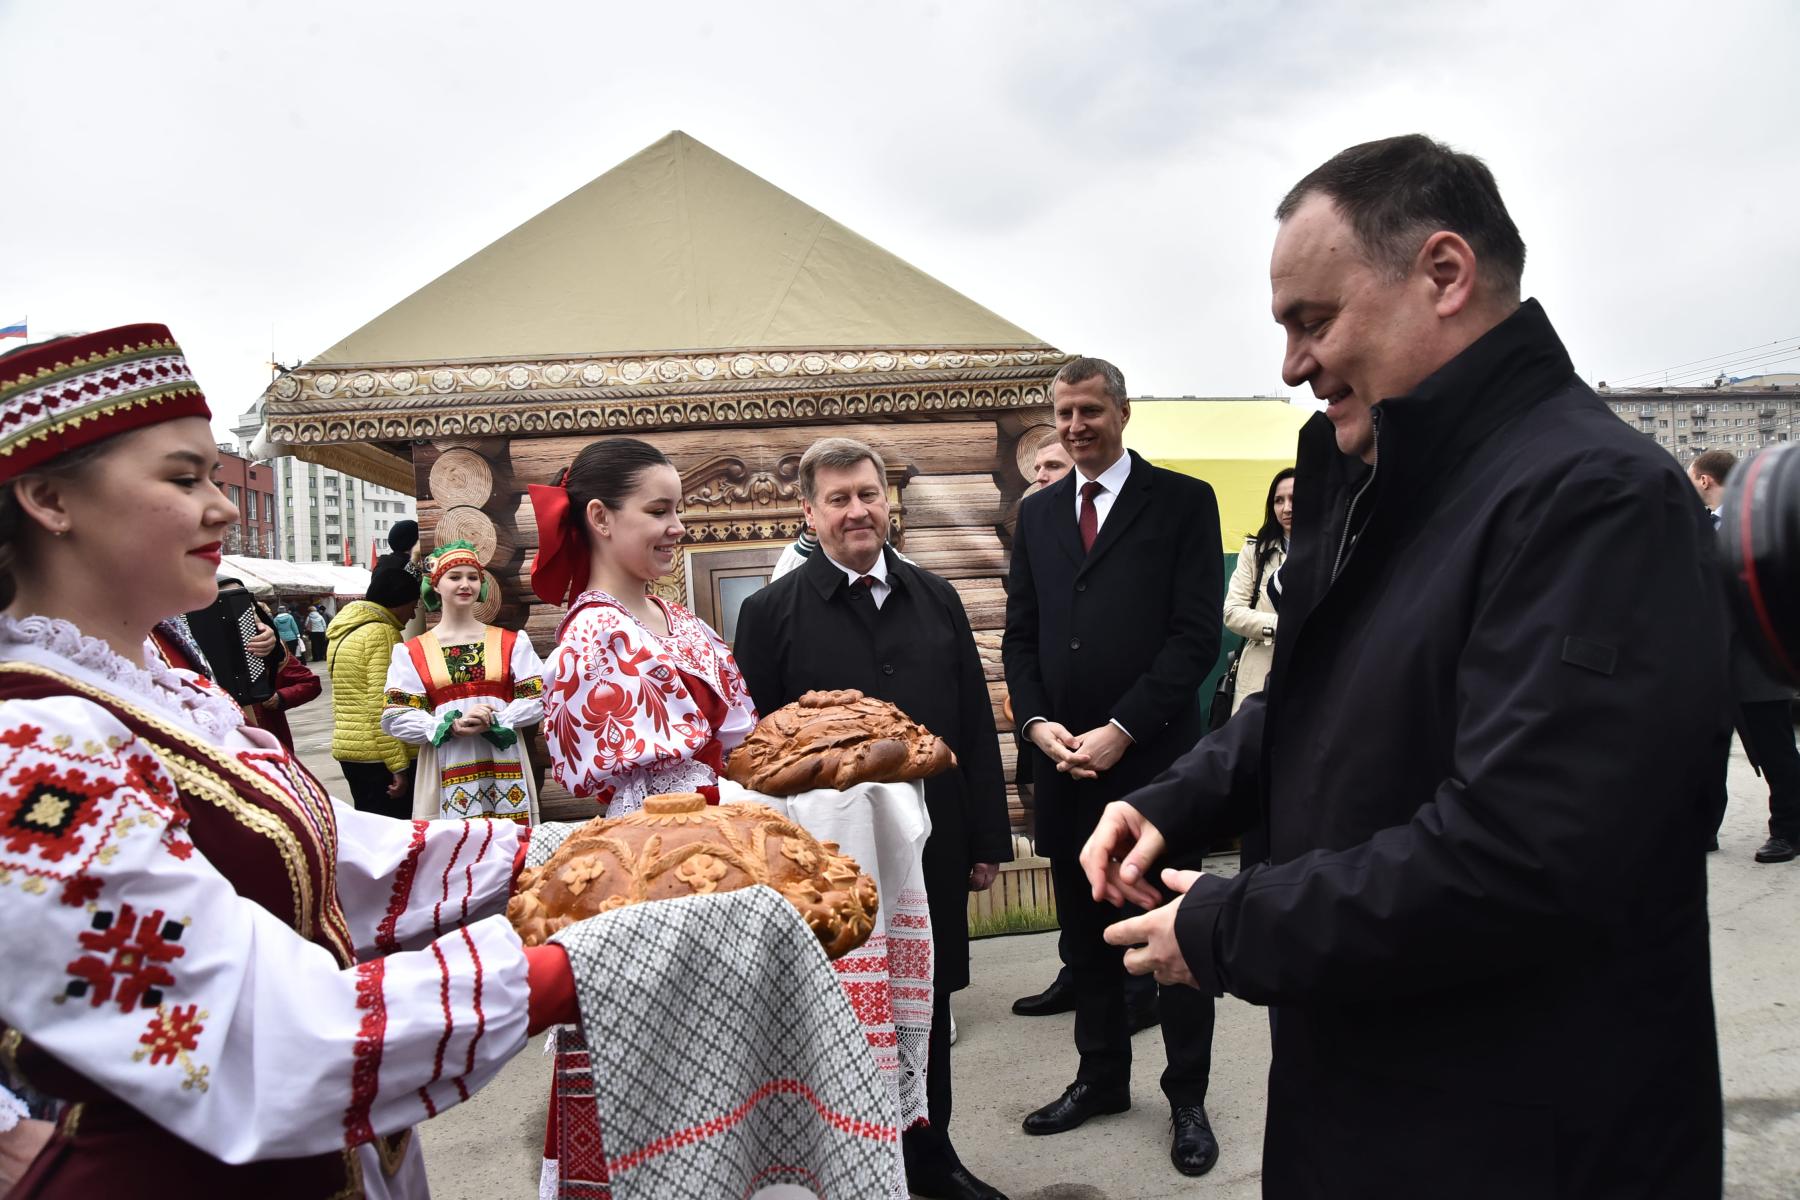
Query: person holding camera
x=1761, y=700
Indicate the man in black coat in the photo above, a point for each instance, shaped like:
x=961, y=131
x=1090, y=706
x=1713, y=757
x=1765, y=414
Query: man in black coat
x=1112, y=623
x=1479, y=772
x=1762, y=710
x=857, y=615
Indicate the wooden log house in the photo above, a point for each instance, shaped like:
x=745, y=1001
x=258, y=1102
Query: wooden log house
x=681, y=299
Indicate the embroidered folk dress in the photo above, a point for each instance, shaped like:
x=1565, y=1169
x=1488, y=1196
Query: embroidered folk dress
x=429, y=685
x=630, y=712
x=246, y=987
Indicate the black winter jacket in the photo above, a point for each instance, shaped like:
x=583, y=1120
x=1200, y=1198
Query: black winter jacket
x=1478, y=775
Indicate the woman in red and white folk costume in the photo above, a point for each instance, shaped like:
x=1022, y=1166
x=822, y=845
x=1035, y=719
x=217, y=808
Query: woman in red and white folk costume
x=461, y=692
x=641, y=696
x=237, y=985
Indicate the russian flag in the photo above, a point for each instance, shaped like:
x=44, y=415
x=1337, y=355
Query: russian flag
x=13, y=329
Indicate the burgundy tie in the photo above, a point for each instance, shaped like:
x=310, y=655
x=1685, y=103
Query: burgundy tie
x=867, y=581
x=1090, y=520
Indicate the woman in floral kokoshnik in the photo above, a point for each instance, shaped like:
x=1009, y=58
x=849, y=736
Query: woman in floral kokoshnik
x=461, y=692
x=236, y=985
x=641, y=696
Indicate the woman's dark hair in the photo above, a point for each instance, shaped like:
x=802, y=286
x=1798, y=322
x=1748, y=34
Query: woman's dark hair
x=1271, y=534
x=607, y=470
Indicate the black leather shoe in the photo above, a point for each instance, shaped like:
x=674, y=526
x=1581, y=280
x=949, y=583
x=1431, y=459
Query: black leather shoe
x=1777, y=850
x=1078, y=1102
x=1059, y=997
x=956, y=1185
x=1195, y=1149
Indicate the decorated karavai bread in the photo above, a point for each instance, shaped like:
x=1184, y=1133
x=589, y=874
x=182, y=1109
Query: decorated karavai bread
x=678, y=845
x=836, y=740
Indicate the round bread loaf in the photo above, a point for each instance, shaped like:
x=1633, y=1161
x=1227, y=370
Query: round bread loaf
x=836, y=740
x=679, y=845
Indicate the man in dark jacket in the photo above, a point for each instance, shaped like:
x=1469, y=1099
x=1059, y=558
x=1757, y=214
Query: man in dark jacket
x=857, y=615
x=1478, y=775
x=1762, y=700
x=1112, y=622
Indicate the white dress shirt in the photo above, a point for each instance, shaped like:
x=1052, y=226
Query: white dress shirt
x=878, y=591
x=1111, y=480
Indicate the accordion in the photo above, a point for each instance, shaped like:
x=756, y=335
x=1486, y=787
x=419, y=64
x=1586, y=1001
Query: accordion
x=223, y=630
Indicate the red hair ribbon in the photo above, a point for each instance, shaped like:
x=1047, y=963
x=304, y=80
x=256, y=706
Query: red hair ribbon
x=559, y=569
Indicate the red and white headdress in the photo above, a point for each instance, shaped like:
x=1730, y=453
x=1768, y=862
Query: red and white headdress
x=60, y=396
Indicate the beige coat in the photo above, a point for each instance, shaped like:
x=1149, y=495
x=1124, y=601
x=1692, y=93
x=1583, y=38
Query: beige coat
x=1249, y=623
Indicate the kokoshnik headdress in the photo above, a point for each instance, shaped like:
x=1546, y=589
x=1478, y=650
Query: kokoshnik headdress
x=446, y=556
x=60, y=396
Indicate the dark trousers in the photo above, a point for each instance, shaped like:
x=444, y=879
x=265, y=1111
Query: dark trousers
x=929, y=1154
x=1768, y=733
x=318, y=646
x=1102, y=1033
x=369, y=789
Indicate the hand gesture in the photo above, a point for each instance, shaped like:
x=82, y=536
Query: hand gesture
x=1122, y=847
x=1153, y=936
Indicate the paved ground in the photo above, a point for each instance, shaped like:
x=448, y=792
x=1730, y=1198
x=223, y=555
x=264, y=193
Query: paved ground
x=489, y=1148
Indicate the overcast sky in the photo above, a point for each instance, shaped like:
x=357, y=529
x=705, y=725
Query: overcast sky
x=275, y=174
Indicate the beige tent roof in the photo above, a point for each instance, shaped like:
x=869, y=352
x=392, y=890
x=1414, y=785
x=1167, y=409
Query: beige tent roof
x=676, y=248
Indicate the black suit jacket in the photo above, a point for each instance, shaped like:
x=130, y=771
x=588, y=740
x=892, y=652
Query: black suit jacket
x=805, y=632
x=1126, y=632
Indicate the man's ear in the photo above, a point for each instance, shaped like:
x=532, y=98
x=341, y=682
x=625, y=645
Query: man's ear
x=1448, y=263
x=42, y=498
x=806, y=511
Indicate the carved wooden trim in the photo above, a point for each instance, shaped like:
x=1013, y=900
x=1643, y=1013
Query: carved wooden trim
x=313, y=406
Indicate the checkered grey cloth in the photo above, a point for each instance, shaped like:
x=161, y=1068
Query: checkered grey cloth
x=545, y=839
x=725, y=1056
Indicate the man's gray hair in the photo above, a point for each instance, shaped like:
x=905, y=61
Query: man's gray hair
x=836, y=454
x=1083, y=369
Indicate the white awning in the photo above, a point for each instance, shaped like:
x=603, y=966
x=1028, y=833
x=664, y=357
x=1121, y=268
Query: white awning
x=272, y=576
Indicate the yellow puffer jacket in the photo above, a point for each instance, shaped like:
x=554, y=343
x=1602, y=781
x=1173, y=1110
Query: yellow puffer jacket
x=361, y=641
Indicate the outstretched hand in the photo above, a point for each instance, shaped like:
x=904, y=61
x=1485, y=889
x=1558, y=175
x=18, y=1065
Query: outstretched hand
x=1156, y=951
x=1120, y=850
